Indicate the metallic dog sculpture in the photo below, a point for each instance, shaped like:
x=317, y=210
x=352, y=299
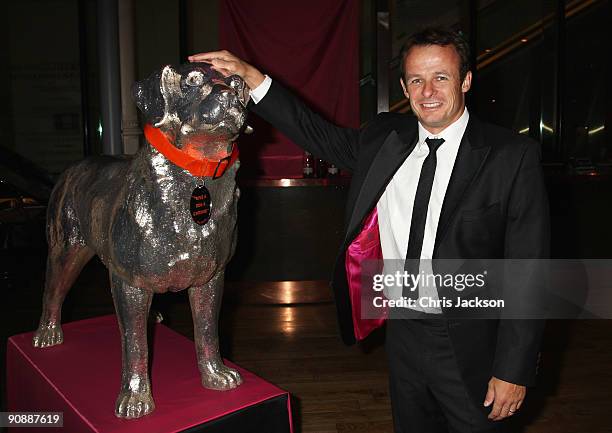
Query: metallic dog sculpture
x=162, y=220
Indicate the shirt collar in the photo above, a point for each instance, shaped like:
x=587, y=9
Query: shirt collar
x=452, y=132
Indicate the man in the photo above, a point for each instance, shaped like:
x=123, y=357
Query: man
x=444, y=186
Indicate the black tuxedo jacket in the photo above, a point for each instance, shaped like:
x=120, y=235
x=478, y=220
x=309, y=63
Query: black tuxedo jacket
x=495, y=207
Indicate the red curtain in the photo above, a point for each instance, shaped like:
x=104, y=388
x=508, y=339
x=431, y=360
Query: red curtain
x=311, y=47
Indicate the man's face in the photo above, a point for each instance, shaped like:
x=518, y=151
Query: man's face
x=433, y=85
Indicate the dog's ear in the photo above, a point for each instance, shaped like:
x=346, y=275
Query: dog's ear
x=148, y=97
x=171, y=92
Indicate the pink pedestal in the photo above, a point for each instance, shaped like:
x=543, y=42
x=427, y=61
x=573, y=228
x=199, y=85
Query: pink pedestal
x=81, y=378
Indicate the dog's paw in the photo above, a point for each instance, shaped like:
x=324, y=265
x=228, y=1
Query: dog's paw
x=215, y=375
x=47, y=335
x=132, y=404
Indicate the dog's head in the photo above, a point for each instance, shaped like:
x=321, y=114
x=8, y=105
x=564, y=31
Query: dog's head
x=193, y=103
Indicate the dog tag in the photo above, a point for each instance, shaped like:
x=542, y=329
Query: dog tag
x=200, y=205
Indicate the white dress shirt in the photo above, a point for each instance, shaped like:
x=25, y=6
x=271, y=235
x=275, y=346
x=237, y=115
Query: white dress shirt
x=396, y=203
x=260, y=91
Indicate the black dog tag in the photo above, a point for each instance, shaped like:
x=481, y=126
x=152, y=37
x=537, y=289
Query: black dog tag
x=200, y=205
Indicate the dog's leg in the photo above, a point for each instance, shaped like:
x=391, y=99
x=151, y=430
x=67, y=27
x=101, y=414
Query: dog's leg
x=132, y=305
x=205, y=304
x=63, y=268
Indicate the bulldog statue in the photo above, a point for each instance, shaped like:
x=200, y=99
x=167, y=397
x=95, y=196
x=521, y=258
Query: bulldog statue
x=162, y=220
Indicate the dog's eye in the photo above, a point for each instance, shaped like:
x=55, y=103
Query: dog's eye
x=235, y=82
x=195, y=79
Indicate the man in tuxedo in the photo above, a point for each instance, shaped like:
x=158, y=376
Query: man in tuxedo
x=443, y=185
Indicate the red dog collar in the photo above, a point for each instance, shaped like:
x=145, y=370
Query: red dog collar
x=197, y=167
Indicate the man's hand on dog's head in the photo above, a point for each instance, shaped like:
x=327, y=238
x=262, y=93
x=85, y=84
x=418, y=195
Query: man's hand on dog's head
x=228, y=64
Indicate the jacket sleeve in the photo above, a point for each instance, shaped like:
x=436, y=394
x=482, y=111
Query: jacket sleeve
x=307, y=129
x=527, y=244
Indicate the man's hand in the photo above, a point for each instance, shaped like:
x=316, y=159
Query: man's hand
x=228, y=64
x=507, y=398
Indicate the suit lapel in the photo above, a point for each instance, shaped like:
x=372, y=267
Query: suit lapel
x=392, y=153
x=472, y=153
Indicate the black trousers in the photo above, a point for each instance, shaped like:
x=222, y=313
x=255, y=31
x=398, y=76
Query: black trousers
x=427, y=392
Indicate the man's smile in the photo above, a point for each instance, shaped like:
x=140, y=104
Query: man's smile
x=430, y=106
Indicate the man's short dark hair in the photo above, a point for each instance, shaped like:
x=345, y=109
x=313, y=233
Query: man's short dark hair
x=442, y=37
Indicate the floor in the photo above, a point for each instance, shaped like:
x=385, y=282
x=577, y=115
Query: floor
x=337, y=388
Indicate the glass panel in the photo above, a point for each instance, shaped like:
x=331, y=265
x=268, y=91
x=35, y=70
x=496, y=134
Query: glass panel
x=587, y=91
x=45, y=95
x=515, y=81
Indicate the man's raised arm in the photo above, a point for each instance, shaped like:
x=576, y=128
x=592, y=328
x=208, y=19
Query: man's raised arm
x=287, y=113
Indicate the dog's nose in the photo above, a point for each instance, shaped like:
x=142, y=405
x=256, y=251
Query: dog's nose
x=214, y=108
x=226, y=96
